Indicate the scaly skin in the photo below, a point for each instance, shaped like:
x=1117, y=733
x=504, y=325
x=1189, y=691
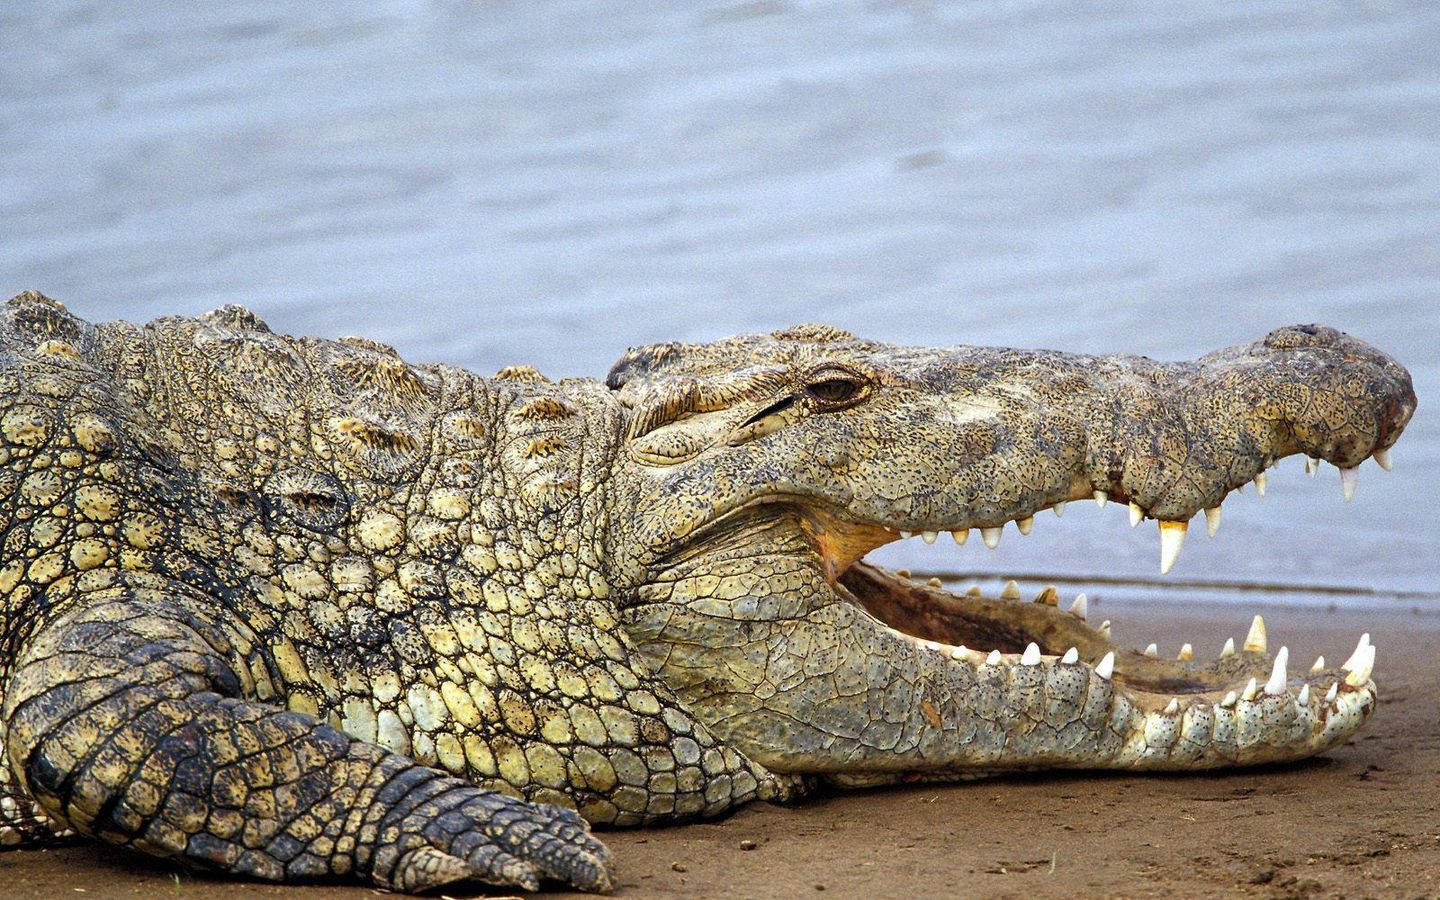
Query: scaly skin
x=293, y=608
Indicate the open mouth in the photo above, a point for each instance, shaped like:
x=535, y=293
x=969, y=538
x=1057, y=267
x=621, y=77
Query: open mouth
x=1222, y=701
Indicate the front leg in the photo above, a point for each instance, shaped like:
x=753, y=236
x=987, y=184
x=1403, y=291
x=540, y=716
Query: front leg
x=123, y=721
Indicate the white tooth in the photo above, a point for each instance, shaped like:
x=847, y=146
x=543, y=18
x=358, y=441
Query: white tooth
x=1383, y=458
x=1071, y=657
x=1186, y=652
x=957, y=652
x=931, y=645
x=1081, y=606
x=1025, y=524
x=1212, y=521
x=1319, y=665
x=1304, y=697
x=1359, y=653
x=1049, y=596
x=1104, y=629
x=974, y=591
x=1250, y=691
x=935, y=582
x=1031, y=656
x=1229, y=700
x=1106, y=668
x=928, y=536
x=1255, y=640
x=1278, y=676
x=1101, y=498
x=1347, y=483
x=1361, y=673
x=1172, y=538
x=1312, y=465
x=961, y=536
x=1011, y=591
x=993, y=659
x=1136, y=514
x=1152, y=650
x=1229, y=648
x=1260, y=485
x=991, y=536
x=1172, y=707
x=906, y=535
x=1059, y=508
x=1331, y=694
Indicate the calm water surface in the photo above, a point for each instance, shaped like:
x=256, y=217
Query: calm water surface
x=486, y=183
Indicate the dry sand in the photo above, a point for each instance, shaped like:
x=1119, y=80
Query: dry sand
x=1362, y=821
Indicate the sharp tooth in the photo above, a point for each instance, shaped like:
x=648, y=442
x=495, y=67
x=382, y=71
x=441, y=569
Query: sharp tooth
x=1319, y=665
x=991, y=536
x=935, y=582
x=1361, y=673
x=1106, y=668
x=1081, y=606
x=1186, y=652
x=1152, y=650
x=928, y=536
x=1331, y=694
x=1136, y=514
x=1304, y=697
x=1229, y=700
x=1229, y=648
x=1212, y=521
x=961, y=536
x=974, y=591
x=1172, y=707
x=1011, y=591
x=1356, y=656
x=1312, y=465
x=1104, y=629
x=1250, y=691
x=1101, y=498
x=1048, y=597
x=1278, y=676
x=1172, y=538
x=993, y=659
x=1260, y=485
x=1255, y=640
x=1347, y=483
x=1025, y=524
x=1383, y=458
x=1031, y=656
x=957, y=652
x=906, y=535
x=1059, y=508
x=1071, y=657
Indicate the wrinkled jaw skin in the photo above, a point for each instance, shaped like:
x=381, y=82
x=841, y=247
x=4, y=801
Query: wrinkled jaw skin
x=765, y=468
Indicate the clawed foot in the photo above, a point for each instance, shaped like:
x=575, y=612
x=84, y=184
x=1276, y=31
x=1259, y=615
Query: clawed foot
x=467, y=834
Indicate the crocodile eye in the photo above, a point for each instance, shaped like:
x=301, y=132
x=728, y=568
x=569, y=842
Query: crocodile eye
x=835, y=389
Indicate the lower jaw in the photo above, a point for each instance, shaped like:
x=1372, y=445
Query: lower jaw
x=1240, y=708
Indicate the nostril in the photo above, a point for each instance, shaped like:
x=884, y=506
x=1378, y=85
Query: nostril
x=1294, y=336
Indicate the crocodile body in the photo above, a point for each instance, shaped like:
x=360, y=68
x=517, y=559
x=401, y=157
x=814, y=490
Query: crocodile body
x=294, y=608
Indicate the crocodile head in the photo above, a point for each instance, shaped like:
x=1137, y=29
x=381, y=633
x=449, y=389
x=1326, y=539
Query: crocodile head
x=757, y=472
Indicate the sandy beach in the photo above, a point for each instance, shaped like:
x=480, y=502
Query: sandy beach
x=1361, y=821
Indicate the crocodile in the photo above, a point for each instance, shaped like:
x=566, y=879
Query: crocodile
x=291, y=608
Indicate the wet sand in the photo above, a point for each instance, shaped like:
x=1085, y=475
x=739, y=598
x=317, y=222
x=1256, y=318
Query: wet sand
x=1362, y=821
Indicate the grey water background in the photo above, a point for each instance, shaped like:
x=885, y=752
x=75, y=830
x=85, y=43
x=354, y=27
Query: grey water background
x=488, y=182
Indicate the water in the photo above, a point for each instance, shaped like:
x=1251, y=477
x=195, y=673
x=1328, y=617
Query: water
x=490, y=182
